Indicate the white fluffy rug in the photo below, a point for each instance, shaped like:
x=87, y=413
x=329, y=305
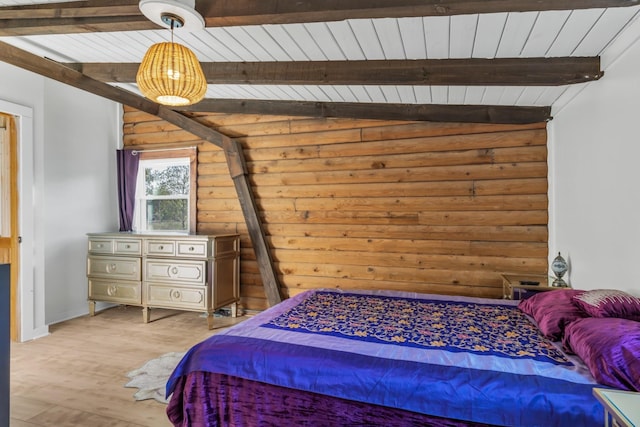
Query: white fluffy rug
x=152, y=377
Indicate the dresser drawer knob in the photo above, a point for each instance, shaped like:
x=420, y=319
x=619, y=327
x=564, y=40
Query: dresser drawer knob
x=99, y=245
x=112, y=290
x=175, y=294
x=161, y=247
x=174, y=270
x=128, y=246
x=191, y=248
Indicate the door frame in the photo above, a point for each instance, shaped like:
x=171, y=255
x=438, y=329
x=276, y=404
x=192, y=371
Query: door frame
x=30, y=310
x=9, y=242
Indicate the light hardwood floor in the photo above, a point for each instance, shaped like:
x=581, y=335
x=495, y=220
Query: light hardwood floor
x=76, y=375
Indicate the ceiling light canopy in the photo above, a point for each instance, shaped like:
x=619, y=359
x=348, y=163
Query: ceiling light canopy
x=170, y=73
x=185, y=9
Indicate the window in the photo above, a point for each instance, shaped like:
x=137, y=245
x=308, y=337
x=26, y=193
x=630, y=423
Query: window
x=165, y=191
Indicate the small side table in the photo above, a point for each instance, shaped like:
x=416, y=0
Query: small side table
x=513, y=288
x=621, y=408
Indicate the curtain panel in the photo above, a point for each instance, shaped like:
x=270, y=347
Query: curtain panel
x=128, y=161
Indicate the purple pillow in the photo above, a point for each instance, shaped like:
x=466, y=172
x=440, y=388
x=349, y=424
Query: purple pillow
x=552, y=310
x=608, y=303
x=610, y=347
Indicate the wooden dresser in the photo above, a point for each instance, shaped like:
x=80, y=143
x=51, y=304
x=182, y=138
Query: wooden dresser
x=175, y=271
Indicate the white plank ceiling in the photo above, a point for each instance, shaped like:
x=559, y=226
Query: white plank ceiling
x=574, y=33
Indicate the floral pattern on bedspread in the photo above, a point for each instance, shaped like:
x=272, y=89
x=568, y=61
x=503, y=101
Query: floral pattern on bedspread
x=491, y=329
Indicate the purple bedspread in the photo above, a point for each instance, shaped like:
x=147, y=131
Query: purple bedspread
x=206, y=399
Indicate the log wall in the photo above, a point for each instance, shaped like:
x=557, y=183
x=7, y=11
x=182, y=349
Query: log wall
x=428, y=207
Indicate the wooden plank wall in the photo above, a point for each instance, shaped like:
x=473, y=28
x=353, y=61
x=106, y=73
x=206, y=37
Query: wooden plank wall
x=428, y=207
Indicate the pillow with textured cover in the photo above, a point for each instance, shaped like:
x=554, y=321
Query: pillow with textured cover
x=608, y=303
x=610, y=347
x=552, y=311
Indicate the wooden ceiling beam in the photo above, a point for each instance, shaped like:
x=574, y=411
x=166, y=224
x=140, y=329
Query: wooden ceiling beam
x=30, y=27
x=232, y=149
x=251, y=12
x=78, y=9
x=73, y=17
x=464, y=72
x=410, y=112
x=77, y=17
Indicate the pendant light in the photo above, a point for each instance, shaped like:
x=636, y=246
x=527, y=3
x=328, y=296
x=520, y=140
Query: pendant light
x=170, y=73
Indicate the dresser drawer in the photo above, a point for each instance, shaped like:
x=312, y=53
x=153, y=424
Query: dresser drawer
x=160, y=247
x=128, y=247
x=172, y=271
x=120, y=292
x=191, y=249
x=186, y=297
x=100, y=246
x=114, y=268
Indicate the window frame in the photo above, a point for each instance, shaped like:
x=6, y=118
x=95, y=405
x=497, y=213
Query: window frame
x=168, y=155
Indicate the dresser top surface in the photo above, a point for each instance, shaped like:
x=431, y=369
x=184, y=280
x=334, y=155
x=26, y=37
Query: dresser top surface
x=159, y=235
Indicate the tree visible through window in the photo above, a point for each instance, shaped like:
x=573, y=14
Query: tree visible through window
x=163, y=195
x=167, y=196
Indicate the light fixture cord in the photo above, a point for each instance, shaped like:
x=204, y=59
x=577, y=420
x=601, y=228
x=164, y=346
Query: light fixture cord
x=173, y=56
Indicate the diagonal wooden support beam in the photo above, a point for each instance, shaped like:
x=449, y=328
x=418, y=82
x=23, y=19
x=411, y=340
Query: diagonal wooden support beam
x=233, y=150
x=240, y=175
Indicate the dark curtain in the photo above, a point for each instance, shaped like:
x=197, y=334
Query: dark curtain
x=128, y=161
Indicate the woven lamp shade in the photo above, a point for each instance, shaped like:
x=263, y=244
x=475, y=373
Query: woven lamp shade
x=170, y=74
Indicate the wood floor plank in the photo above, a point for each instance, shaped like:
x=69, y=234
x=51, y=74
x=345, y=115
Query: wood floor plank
x=59, y=416
x=23, y=407
x=76, y=375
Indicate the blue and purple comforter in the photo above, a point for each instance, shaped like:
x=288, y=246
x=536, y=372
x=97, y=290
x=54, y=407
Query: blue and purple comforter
x=469, y=359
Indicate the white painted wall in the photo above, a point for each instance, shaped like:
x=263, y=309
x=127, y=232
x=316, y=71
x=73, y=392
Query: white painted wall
x=594, y=156
x=67, y=189
x=81, y=136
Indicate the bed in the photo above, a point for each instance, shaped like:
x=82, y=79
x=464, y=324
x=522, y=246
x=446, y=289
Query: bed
x=367, y=358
